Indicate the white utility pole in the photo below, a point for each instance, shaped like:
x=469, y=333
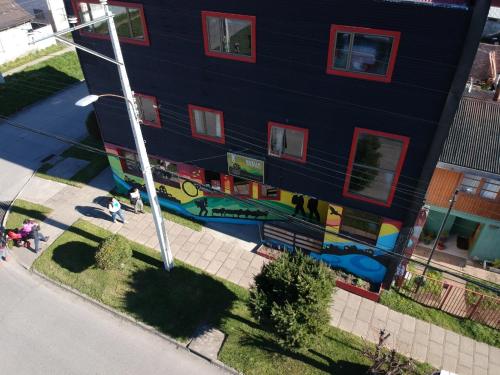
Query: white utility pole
x=133, y=115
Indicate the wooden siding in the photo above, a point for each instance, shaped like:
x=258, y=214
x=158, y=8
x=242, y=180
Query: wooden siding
x=442, y=186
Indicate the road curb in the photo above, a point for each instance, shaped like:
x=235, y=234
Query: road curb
x=143, y=326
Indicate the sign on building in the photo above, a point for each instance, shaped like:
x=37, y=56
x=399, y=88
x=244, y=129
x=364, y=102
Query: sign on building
x=245, y=167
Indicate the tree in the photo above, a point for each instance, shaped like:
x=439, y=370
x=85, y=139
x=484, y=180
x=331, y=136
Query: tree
x=291, y=296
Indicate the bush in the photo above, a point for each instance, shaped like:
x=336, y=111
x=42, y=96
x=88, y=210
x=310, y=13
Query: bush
x=113, y=253
x=291, y=297
x=489, y=302
x=93, y=126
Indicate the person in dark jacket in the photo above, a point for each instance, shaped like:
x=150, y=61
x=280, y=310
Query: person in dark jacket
x=312, y=206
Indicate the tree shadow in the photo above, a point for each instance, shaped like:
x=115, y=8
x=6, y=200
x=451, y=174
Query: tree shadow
x=177, y=302
x=75, y=256
x=329, y=365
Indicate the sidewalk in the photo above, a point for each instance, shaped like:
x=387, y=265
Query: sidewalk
x=232, y=259
x=414, y=338
x=217, y=253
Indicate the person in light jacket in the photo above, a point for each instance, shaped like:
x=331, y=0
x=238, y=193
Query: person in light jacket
x=136, y=201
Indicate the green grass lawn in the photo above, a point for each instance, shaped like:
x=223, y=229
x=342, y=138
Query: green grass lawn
x=180, y=301
x=167, y=215
x=38, y=82
x=22, y=209
x=97, y=163
x=466, y=327
x=31, y=57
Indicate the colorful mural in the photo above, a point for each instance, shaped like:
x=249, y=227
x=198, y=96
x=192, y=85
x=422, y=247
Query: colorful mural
x=367, y=258
x=355, y=241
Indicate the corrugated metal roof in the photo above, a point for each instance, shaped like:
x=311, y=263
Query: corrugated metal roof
x=12, y=15
x=474, y=138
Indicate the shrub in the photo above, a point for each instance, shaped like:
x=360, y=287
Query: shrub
x=93, y=126
x=496, y=263
x=291, y=297
x=489, y=301
x=113, y=253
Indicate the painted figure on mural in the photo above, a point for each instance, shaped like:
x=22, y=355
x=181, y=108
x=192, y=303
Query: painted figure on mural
x=298, y=201
x=312, y=206
x=202, y=204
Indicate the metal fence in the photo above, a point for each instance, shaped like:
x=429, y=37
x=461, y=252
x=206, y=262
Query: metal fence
x=453, y=298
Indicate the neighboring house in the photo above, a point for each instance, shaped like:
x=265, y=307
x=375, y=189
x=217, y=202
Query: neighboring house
x=48, y=12
x=335, y=111
x=470, y=162
x=18, y=30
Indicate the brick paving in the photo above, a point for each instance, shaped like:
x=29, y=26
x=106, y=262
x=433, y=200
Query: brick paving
x=415, y=338
x=216, y=253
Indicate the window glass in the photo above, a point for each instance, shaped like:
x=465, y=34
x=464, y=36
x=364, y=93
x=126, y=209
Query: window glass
x=490, y=188
x=208, y=123
x=359, y=224
x=128, y=20
x=374, y=166
x=147, y=109
x=370, y=53
x=164, y=172
x=287, y=141
x=269, y=192
x=241, y=186
x=213, y=179
x=226, y=35
x=470, y=183
x=130, y=163
x=342, y=46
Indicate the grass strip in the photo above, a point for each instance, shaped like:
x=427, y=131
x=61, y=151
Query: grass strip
x=22, y=209
x=177, y=303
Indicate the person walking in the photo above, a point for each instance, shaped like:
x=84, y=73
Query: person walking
x=136, y=201
x=115, y=208
x=4, y=250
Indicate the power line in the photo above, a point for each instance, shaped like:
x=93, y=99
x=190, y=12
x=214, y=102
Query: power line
x=243, y=201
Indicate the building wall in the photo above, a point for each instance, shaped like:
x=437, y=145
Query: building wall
x=54, y=12
x=15, y=42
x=482, y=69
x=486, y=245
x=288, y=84
x=443, y=184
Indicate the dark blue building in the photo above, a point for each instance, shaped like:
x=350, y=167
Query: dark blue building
x=331, y=110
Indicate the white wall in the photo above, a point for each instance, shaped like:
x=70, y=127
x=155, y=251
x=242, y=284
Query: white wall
x=14, y=42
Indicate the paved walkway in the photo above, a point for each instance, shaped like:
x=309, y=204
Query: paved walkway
x=214, y=252
x=231, y=258
x=412, y=337
x=39, y=60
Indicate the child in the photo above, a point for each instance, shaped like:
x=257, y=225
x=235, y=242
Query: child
x=136, y=201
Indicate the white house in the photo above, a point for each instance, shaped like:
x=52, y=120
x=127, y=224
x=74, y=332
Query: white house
x=48, y=11
x=18, y=30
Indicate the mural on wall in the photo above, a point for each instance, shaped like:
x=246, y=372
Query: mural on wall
x=367, y=258
x=204, y=195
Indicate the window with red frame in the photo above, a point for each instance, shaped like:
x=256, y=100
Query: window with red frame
x=207, y=123
x=148, y=110
x=229, y=36
x=242, y=187
x=287, y=142
x=375, y=163
x=128, y=17
x=362, y=53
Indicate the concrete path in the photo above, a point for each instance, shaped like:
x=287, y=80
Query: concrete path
x=412, y=337
x=39, y=60
x=46, y=330
x=21, y=151
x=215, y=252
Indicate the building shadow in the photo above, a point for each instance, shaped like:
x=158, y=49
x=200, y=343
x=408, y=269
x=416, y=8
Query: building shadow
x=178, y=302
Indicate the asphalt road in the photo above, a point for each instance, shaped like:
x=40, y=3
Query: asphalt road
x=21, y=151
x=46, y=330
